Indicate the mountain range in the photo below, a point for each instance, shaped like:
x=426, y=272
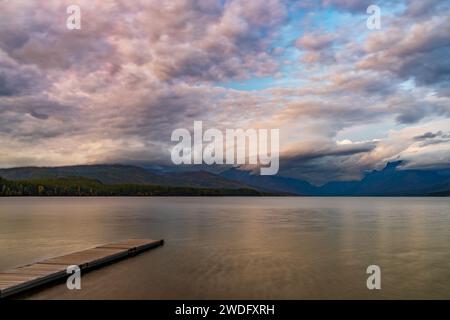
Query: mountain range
x=390, y=181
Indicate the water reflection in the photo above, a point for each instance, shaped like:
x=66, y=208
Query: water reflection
x=282, y=248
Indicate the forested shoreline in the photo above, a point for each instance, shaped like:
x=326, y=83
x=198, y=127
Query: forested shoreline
x=79, y=186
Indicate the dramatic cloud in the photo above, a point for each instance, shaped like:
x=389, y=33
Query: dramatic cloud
x=345, y=98
x=431, y=135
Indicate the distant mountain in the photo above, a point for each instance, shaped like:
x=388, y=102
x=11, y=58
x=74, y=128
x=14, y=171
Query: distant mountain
x=124, y=174
x=274, y=183
x=84, y=187
x=388, y=182
x=442, y=191
x=391, y=181
x=110, y=174
x=200, y=179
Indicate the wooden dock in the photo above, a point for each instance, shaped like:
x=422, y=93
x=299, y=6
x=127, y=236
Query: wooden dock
x=41, y=273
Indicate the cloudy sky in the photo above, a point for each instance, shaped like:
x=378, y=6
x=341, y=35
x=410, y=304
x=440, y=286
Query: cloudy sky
x=345, y=98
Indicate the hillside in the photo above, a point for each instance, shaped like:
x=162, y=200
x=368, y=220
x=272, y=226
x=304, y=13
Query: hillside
x=79, y=186
x=124, y=174
x=390, y=181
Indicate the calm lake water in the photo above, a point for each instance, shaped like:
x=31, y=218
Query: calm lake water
x=239, y=248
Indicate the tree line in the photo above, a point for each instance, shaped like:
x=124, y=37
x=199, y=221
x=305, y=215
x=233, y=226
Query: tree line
x=79, y=186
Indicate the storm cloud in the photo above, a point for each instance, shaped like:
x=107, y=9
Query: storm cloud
x=345, y=98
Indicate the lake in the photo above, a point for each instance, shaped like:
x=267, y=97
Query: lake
x=239, y=247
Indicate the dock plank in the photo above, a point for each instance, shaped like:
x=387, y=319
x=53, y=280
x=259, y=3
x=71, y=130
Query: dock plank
x=86, y=257
x=43, y=272
x=131, y=244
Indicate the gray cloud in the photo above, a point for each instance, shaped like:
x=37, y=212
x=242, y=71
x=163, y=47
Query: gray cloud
x=327, y=162
x=351, y=5
x=428, y=135
x=16, y=79
x=412, y=49
x=115, y=90
x=432, y=138
x=339, y=150
x=423, y=9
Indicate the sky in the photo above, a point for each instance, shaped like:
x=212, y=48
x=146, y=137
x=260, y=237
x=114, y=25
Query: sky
x=346, y=98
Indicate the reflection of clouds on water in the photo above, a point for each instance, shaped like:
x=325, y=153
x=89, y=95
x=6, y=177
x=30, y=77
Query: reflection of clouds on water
x=283, y=247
